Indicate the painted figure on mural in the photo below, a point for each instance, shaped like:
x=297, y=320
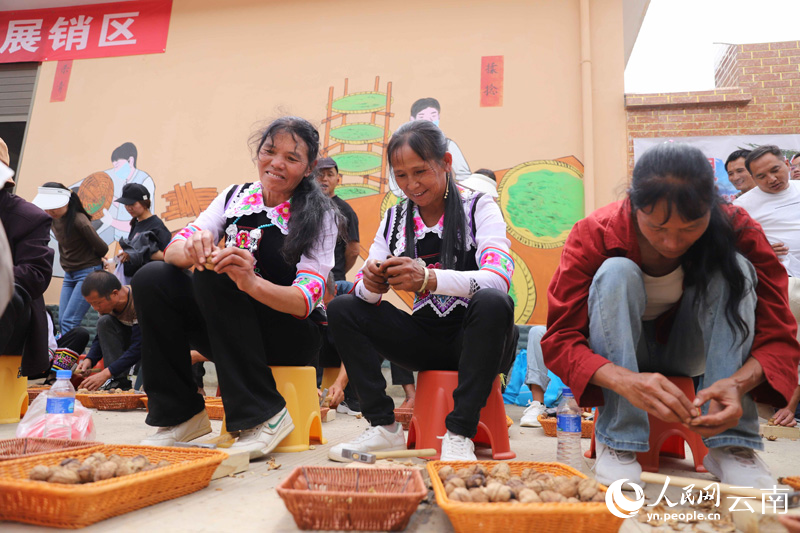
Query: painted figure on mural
x=114, y=220
x=430, y=110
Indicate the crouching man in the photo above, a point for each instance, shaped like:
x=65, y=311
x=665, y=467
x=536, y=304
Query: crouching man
x=118, y=341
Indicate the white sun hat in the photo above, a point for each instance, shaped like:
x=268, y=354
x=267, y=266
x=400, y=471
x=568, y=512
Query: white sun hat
x=480, y=183
x=51, y=198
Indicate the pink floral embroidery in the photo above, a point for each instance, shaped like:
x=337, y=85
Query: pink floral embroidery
x=242, y=239
x=283, y=210
x=253, y=199
x=312, y=286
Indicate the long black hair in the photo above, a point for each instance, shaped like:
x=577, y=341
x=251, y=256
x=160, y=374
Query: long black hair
x=430, y=144
x=309, y=203
x=682, y=176
x=74, y=207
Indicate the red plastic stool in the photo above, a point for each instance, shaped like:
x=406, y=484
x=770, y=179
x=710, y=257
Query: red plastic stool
x=667, y=438
x=434, y=401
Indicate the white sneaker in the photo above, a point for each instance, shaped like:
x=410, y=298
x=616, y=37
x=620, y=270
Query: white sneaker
x=612, y=465
x=197, y=426
x=457, y=448
x=739, y=466
x=265, y=437
x=374, y=439
x=344, y=408
x=530, y=417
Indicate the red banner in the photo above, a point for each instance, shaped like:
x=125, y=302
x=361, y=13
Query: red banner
x=492, y=81
x=61, y=81
x=86, y=31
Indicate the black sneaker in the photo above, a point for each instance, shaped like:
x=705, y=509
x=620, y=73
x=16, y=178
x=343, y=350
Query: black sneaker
x=121, y=383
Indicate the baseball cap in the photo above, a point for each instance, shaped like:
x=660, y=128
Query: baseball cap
x=480, y=183
x=51, y=198
x=327, y=162
x=132, y=193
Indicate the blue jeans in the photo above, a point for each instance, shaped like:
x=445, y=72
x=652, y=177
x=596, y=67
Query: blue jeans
x=343, y=287
x=701, y=342
x=72, y=306
x=537, y=372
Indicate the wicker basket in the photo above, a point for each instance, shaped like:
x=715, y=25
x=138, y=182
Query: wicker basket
x=523, y=517
x=792, y=481
x=19, y=448
x=214, y=408
x=549, y=426
x=76, y=506
x=87, y=400
x=33, y=392
x=367, y=499
x=117, y=402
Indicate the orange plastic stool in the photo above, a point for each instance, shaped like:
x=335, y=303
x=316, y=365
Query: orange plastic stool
x=667, y=438
x=435, y=400
x=329, y=375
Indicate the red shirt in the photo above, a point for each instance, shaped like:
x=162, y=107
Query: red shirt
x=610, y=232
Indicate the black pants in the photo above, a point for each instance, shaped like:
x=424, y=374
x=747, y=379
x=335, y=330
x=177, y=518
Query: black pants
x=208, y=313
x=75, y=339
x=479, y=343
x=15, y=322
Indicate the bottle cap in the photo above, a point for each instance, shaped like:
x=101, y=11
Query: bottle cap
x=63, y=374
x=566, y=391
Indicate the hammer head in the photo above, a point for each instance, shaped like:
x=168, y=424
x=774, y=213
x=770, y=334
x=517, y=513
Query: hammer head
x=361, y=457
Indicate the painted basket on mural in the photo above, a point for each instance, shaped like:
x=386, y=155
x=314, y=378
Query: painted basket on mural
x=77, y=506
x=549, y=426
x=582, y=517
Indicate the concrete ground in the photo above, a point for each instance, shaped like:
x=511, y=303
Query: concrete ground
x=248, y=501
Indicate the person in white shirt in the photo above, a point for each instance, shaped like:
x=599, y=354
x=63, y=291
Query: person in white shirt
x=448, y=246
x=738, y=174
x=795, y=166
x=775, y=204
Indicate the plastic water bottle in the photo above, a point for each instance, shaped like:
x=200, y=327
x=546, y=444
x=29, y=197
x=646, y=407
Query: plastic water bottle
x=60, y=406
x=568, y=428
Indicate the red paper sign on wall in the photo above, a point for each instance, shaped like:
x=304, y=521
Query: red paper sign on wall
x=492, y=81
x=61, y=81
x=86, y=31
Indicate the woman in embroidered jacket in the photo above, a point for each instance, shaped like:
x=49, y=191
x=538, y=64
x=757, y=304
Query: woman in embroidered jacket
x=247, y=305
x=448, y=245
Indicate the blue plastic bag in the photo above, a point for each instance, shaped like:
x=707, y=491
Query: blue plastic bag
x=518, y=393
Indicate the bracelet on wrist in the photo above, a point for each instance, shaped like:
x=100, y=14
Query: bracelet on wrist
x=424, y=281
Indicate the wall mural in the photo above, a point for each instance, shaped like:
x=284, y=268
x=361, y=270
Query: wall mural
x=541, y=200
x=98, y=193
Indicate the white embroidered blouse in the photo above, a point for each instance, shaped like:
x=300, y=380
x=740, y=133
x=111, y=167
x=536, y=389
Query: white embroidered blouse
x=313, y=267
x=453, y=287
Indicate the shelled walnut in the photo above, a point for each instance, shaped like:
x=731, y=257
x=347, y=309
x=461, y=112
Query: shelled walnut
x=95, y=467
x=499, y=484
